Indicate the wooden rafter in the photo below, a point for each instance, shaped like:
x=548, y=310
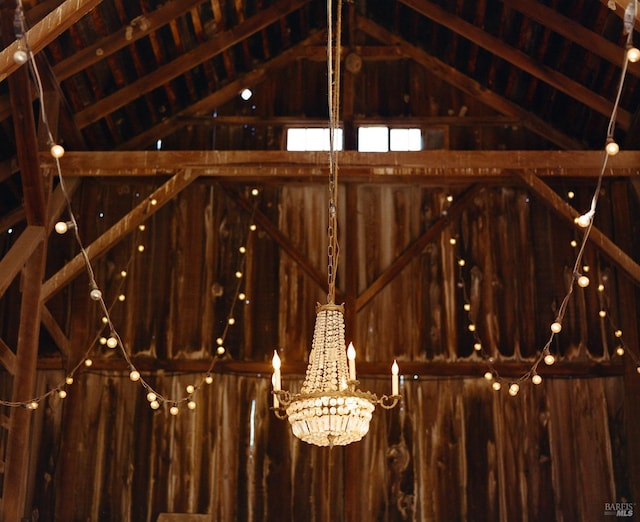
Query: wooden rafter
x=120, y=39
x=469, y=86
x=160, y=197
x=220, y=97
x=47, y=30
x=186, y=62
x=573, y=31
x=518, y=59
x=599, y=239
x=438, y=166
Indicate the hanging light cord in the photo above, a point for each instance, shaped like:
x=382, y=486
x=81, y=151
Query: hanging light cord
x=333, y=91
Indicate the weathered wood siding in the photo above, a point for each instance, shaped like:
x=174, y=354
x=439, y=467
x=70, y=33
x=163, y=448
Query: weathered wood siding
x=453, y=450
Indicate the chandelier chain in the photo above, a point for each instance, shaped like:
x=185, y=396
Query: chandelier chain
x=334, y=52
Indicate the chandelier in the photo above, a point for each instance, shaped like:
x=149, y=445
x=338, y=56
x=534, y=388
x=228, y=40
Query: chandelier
x=330, y=410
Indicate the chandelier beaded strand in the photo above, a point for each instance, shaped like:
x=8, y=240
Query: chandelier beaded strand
x=330, y=410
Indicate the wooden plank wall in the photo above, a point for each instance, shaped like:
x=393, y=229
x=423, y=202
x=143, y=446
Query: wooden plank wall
x=454, y=450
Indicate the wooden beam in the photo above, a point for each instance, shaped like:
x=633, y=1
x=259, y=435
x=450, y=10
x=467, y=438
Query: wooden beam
x=600, y=240
x=7, y=357
x=25, y=131
x=206, y=51
x=52, y=326
x=518, y=59
x=219, y=97
x=441, y=166
x=469, y=86
x=17, y=256
x=419, y=369
x=283, y=242
x=45, y=31
x=459, y=204
x=137, y=28
x=125, y=225
x=573, y=31
x=14, y=489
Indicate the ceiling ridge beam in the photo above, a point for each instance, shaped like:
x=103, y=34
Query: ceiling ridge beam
x=548, y=196
x=518, y=59
x=162, y=195
x=470, y=86
x=45, y=31
x=187, y=61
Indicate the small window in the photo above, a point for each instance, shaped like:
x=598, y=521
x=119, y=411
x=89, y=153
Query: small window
x=373, y=139
x=312, y=139
x=384, y=139
x=405, y=139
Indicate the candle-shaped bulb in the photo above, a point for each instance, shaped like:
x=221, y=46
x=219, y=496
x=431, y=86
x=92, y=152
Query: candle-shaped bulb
x=351, y=355
x=276, y=370
x=394, y=378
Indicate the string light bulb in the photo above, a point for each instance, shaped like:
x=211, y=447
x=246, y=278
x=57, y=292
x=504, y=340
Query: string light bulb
x=514, y=388
x=633, y=54
x=69, y=379
x=190, y=389
x=488, y=375
x=496, y=385
x=556, y=327
x=620, y=350
x=173, y=410
x=208, y=379
x=584, y=220
x=549, y=359
x=536, y=379
x=134, y=375
x=62, y=394
x=33, y=405
x=57, y=151
x=95, y=294
x=154, y=405
x=20, y=57
x=151, y=396
x=112, y=342
x=191, y=405
x=611, y=147
x=618, y=333
x=583, y=281
x=477, y=347
x=61, y=227
x=88, y=363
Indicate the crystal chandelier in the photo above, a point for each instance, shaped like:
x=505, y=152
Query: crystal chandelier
x=329, y=410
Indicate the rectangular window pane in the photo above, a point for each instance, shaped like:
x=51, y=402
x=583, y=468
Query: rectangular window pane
x=405, y=139
x=312, y=139
x=373, y=139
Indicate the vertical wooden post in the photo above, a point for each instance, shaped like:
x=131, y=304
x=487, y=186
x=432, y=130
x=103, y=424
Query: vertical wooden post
x=18, y=440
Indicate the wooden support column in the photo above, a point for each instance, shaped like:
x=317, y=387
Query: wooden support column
x=17, y=463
